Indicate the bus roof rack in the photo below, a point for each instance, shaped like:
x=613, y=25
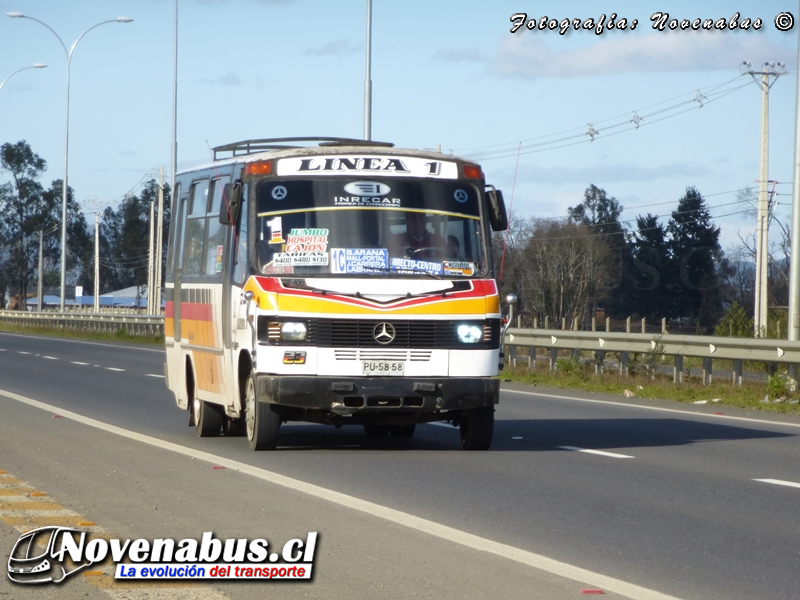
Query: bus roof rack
x=251, y=146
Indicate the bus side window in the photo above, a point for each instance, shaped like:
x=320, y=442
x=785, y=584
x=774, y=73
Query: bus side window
x=215, y=239
x=195, y=230
x=240, y=242
x=174, y=230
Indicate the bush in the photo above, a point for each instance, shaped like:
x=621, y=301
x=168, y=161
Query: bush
x=780, y=385
x=735, y=323
x=569, y=366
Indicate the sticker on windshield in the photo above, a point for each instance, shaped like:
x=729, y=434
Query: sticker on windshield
x=275, y=229
x=378, y=201
x=466, y=269
x=279, y=192
x=273, y=269
x=367, y=188
x=301, y=259
x=307, y=240
x=409, y=265
x=359, y=260
x=460, y=196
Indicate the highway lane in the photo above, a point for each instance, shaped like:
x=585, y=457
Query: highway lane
x=683, y=515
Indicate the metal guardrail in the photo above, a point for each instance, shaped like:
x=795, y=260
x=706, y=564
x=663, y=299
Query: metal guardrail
x=111, y=323
x=708, y=348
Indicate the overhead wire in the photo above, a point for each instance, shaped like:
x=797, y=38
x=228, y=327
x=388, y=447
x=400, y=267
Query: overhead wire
x=484, y=153
x=634, y=232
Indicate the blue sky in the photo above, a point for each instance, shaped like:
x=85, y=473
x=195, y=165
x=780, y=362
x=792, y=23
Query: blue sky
x=445, y=74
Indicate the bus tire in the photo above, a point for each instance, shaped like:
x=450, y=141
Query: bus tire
x=402, y=430
x=261, y=421
x=207, y=418
x=233, y=427
x=477, y=428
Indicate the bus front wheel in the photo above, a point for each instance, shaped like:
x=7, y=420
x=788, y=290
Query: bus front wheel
x=261, y=420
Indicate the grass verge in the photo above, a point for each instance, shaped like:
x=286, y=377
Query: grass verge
x=751, y=395
x=120, y=336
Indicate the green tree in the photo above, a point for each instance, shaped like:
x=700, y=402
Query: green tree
x=600, y=213
x=80, y=244
x=25, y=210
x=125, y=238
x=695, y=250
x=653, y=287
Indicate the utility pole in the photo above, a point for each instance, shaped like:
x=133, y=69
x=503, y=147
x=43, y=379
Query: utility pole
x=41, y=271
x=794, y=264
x=768, y=70
x=96, y=263
x=150, y=265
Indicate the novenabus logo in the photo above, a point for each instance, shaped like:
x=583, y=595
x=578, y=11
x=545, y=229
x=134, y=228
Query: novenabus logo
x=39, y=556
x=50, y=554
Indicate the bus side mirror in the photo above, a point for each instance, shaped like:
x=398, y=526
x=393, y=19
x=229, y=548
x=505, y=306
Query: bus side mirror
x=497, y=209
x=231, y=202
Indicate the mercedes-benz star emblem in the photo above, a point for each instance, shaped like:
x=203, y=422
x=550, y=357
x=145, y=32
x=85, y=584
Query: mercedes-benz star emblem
x=383, y=333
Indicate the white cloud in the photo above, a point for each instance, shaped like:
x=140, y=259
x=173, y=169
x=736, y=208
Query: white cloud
x=525, y=54
x=229, y=79
x=460, y=55
x=334, y=48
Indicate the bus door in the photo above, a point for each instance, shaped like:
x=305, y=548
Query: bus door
x=175, y=366
x=234, y=276
x=200, y=287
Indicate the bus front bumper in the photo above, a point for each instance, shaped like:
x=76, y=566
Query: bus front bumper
x=354, y=395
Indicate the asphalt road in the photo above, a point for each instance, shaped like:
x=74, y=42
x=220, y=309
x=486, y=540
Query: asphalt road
x=579, y=492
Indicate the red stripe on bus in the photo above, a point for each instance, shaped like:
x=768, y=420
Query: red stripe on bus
x=196, y=312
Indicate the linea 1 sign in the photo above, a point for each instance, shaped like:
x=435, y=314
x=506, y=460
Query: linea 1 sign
x=51, y=554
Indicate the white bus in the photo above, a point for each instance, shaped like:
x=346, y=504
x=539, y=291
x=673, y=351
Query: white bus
x=334, y=281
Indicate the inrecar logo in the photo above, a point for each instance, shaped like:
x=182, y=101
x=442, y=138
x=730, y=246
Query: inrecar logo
x=367, y=188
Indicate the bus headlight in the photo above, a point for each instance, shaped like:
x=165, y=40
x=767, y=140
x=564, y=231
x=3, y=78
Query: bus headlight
x=469, y=334
x=293, y=331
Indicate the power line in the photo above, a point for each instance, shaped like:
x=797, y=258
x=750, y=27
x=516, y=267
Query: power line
x=634, y=232
x=507, y=150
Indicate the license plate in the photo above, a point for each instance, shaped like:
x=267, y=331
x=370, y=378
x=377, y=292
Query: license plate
x=383, y=368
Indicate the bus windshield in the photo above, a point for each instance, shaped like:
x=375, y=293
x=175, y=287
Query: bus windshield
x=351, y=226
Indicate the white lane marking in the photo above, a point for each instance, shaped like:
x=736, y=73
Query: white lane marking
x=655, y=408
x=50, y=357
x=112, y=368
x=21, y=352
x=450, y=534
x=77, y=362
x=2, y=349
x=598, y=452
x=779, y=482
x=517, y=437
x=153, y=375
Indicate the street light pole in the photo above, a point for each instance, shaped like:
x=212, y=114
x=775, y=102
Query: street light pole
x=65, y=184
x=33, y=66
x=368, y=78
